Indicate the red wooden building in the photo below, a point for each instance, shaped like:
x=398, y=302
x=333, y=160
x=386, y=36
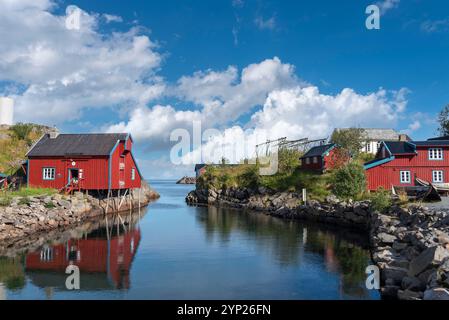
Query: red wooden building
x=91, y=161
x=399, y=163
x=320, y=158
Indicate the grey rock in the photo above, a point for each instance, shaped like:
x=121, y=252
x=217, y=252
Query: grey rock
x=427, y=259
x=386, y=238
x=409, y=295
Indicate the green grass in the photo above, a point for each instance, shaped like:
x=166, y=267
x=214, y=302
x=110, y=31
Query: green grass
x=247, y=176
x=7, y=196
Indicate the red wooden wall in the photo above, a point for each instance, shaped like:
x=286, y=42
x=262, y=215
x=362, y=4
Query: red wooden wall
x=388, y=174
x=95, y=172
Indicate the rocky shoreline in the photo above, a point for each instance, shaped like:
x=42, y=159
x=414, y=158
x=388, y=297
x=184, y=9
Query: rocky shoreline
x=27, y=216
x=409, y=245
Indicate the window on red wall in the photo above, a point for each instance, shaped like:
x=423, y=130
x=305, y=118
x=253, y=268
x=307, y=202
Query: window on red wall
x=405, y=176
x=48, y=173
x=133, y=174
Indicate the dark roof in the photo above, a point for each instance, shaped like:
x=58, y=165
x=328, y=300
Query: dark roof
x=400, y=147
x=318, y=150
x=430, y=143
x=94, y=144
x=440, y=138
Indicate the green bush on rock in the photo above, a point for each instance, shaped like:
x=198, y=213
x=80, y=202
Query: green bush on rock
x=348, y=182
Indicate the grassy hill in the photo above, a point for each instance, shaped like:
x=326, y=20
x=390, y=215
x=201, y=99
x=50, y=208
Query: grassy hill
x=15, y=141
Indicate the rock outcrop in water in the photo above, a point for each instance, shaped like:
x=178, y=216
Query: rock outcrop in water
x=186, y=180
x=409, y=245
x=30, y=215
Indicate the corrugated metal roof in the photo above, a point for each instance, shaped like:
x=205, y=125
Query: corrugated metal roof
x=318, y=150
x=96, y=144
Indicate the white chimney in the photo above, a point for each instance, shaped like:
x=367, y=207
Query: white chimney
x=6, y=111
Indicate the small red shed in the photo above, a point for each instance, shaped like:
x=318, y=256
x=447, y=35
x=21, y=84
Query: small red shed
x=92, y=161
x=320, y=158
x=399, y=163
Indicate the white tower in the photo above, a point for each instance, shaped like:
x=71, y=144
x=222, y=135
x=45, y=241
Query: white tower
x=6, y=111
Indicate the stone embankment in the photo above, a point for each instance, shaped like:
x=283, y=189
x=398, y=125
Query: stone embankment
x=26, y=216
x=409, y=245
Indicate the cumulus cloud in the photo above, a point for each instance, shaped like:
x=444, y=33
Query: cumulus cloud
x=63, y=71
x=226, y=95
x=303, y=112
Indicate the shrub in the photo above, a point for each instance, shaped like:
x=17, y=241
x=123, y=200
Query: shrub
x=22, y=130
x=381, y=200
x=349, y=181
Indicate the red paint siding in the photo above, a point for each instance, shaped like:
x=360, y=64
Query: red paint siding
x=330, y=161
x=123, y=172
x=388, y=174
x=95, y=170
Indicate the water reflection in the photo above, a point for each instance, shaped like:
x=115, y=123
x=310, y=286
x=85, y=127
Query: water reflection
x=175, y=251
x=344, y=252
x=103, y=251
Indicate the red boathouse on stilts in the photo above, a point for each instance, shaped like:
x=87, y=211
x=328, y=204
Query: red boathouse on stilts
x=83, y=162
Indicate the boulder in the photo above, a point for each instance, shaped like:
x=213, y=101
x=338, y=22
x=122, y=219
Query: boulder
x=436, y=294
x=409, y=295
x=428, y=258
x=386, y=238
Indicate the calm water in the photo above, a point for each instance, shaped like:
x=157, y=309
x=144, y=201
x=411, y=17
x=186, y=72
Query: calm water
x=173, y=251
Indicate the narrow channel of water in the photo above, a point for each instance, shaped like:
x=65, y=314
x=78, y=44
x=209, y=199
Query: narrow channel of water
x=175, y=251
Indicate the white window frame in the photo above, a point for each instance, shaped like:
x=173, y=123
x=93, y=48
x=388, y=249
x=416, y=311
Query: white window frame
x=48, y=173
x=307, y=160
x=133, y=174
x=368, y=147
x=315, y=159
x=435, y=153
x=405, y=176
x=439, y=175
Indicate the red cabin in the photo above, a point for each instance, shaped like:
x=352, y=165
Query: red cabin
x=320, y=158
x=90, y=161
x=399, y=163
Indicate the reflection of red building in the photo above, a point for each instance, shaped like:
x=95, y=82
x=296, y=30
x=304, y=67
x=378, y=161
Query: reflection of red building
x=93, y=256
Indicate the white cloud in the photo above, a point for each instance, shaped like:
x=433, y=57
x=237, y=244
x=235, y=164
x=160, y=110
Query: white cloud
x=265, y=24
x=387, y=5
x=112, y=18
x=65, y=71
x=304, y=112
x=431, y=26
x=225, y=96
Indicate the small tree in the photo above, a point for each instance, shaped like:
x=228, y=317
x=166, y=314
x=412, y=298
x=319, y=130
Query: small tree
x=443, y=121
x=288, y=160
x=350, y=139
x=349, y=181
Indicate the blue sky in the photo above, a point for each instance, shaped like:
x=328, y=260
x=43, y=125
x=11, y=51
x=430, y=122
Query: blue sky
x=150, y=67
